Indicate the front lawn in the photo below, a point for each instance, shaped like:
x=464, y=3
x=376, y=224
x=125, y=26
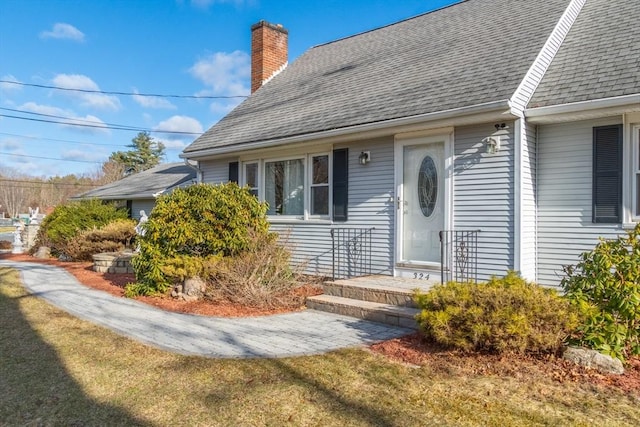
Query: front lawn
x=58, y=370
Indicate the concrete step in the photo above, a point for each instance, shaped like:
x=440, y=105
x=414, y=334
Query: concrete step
x=380, y=289
x=377, y=312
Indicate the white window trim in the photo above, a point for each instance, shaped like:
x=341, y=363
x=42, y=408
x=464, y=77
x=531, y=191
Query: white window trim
x=635, y=171
x=243, y=174
x=307, y=161
x=310, y=185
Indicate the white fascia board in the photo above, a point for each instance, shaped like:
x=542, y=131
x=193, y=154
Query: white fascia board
x=497, y=110
x=536, y=72
x=584, y=109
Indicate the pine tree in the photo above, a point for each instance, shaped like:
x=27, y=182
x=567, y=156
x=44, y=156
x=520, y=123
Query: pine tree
x=145, y=154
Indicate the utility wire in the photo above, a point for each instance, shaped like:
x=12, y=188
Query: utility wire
x=105, y=126
x=51, y=158
x=105, y=92
x=62, y=140
x=68, y=184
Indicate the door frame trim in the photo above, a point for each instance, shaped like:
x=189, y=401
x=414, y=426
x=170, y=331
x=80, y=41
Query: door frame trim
x=445, y=135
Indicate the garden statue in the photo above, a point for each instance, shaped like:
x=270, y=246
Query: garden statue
x=143, y=219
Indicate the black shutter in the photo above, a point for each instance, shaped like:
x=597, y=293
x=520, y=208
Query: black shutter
x=233, y=172
x=340, y=184
x=607, y=174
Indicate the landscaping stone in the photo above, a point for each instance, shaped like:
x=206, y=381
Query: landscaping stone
x=193, y=289
x=43, y=252
x=113, y=262
x=594, y=359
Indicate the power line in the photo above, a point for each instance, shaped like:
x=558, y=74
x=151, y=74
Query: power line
x=51, y=158
x=69, y=184
x=105, y=126
x=61, y=140
x=105, y=92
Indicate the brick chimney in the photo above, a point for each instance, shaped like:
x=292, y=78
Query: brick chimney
x=269, y=52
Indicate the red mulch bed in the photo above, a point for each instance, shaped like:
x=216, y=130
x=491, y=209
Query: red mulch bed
x=115, y=283
x=411, y=349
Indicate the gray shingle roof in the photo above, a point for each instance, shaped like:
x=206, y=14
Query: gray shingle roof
x=600, y=57
x=467, y=54
x=144, y=184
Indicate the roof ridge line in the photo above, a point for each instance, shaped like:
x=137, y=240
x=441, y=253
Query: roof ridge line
x=390, y=25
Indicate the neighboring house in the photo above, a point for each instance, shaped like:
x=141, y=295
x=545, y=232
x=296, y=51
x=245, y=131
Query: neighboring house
x=518, y=119
x=138, y=191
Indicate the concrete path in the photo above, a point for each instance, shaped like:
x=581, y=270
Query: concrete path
x=294, y=334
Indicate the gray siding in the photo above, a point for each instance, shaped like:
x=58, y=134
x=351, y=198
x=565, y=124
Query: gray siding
x=137, y=205
x=565, y=227
x=216, y=171
x=371, y=196
x=484, y=194
x=528, y=228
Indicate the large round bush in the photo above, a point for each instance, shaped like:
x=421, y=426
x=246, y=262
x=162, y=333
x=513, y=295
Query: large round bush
x=196, y=223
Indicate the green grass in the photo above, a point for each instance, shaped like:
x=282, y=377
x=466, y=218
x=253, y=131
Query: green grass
x=58, y=370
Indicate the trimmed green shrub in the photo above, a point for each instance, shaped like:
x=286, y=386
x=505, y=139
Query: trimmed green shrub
x=199, y=221
x=505, y=314
x=113, y=237
x=68, y=220
x=605, y=286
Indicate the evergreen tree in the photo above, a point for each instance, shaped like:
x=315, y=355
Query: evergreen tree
x=145, y=153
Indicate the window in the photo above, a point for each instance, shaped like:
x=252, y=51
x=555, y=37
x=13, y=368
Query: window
x=284, y=187
x=251, y=177
x=301, y=187
x=319, y=185
x=636, y=172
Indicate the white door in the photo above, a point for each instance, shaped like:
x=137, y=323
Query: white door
x=421, y=203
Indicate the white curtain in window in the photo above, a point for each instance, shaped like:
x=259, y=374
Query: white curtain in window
x=293, y=188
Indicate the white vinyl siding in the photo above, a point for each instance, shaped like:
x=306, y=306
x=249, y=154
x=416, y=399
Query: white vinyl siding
x=371, y=204
x=484, y=194
x=564, y=183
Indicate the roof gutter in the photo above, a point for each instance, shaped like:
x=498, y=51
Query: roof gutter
x=602, y=107
x=454, y=113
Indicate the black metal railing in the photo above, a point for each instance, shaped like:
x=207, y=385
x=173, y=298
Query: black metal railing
x=351, y=252
x=459, y=255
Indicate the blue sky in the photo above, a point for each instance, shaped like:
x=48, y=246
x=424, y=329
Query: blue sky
x=169, y=47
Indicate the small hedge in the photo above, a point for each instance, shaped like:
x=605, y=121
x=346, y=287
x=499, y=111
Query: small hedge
x=505, y=314
x=68, y=220
x=113, y=237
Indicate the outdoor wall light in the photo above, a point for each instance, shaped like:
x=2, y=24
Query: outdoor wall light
x=364, y=157
x=492, y=144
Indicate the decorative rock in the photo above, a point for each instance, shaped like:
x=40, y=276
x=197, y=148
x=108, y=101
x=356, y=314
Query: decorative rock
x=43, y=252
x=194, y=287
x=594, y=359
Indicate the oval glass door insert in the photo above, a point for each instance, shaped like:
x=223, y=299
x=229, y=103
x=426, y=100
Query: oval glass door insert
x=427, y=186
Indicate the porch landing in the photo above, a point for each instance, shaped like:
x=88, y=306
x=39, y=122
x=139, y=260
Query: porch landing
x=383, y=299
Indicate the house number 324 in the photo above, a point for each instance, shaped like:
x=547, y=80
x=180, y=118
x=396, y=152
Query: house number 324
x=420, y=276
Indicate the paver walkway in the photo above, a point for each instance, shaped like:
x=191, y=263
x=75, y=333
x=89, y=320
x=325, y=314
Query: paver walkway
x=293, y=334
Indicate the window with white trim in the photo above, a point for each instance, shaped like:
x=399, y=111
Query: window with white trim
x=319, y=184
x=635, y=182
x=251, y=177
x=284, y=187
x=295, y=187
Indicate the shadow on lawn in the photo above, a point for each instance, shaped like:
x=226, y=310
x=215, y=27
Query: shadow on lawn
x=35, y=387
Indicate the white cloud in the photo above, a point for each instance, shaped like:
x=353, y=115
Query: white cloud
x=173, y=144
x=224, y=73
x=7, y=87
x=152, y=101
x=223, y=107
x=84, y=155
x=87, y=99
x=179, y=124
x=89, y=123
x=63, y=31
